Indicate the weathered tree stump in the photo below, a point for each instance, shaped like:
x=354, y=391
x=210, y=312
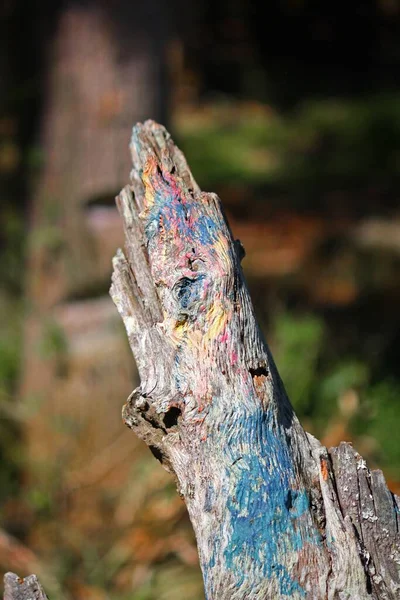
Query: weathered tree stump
x=275, y=513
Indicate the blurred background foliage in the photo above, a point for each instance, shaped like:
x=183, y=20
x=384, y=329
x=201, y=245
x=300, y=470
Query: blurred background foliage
x=290, y=111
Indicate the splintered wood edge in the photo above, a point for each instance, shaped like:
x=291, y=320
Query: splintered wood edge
x=27, y=588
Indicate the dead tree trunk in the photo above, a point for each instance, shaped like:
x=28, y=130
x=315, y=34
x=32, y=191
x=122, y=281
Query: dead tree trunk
x=275, y=514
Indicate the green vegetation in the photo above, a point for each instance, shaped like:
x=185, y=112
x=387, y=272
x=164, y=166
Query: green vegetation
x=10, y=364
x=322, y=142
x=326, y=388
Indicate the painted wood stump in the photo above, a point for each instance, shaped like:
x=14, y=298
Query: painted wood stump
x=275, y=514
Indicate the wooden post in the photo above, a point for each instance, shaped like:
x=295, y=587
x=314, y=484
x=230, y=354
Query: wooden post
x=275, y=514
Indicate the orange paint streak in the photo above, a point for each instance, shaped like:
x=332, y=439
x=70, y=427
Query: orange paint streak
x=324, y=469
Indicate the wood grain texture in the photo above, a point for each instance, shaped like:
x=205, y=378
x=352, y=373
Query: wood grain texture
x=275, y=514
x=28, y=588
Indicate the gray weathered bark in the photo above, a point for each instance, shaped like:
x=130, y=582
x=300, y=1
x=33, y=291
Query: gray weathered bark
x=275, y=514
x=16, y=588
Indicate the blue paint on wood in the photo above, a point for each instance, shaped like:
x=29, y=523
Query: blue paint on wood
x=265, y=507
x=207, y=230
x=172, y=212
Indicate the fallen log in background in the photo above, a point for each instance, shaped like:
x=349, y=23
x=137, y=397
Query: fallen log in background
x=275, y=514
